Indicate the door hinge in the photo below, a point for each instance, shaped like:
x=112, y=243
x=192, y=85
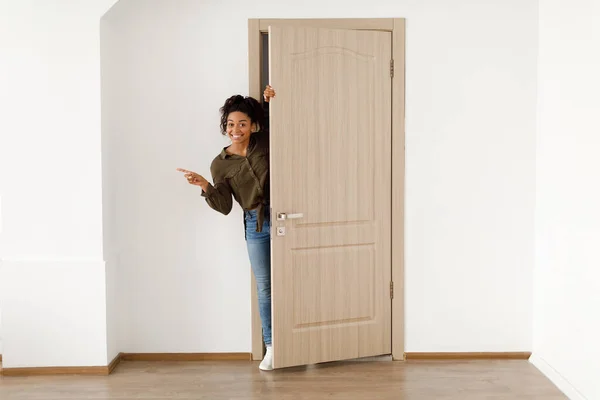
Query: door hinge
x=392, y=68
x=391, y=290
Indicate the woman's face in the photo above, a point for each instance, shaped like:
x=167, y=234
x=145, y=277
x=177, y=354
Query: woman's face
x=239, y=127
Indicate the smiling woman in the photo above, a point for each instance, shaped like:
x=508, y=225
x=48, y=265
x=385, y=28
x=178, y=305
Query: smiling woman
x=241, y=171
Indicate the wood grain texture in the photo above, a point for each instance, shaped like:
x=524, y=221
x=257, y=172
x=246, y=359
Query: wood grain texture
x=331, y=128
x=469, y=356
x=398, y=177
x=398, y=29
x=255, y=91
x=254, y=51
x=371, y=24
x=186, y=356
x=412, y=380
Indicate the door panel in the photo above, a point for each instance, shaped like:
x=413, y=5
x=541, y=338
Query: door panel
x=331, y=165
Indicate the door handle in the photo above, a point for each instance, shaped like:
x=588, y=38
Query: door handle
x=284, y=216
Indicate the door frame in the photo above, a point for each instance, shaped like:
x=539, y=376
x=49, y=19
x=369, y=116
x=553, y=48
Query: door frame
x=397, y=27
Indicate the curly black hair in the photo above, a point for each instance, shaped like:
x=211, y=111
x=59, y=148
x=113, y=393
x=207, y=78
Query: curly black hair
x=248, y=105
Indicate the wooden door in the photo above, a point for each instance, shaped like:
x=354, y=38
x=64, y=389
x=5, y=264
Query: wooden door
x=330, y=194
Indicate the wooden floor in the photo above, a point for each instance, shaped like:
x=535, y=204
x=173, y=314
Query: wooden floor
x=419, y=380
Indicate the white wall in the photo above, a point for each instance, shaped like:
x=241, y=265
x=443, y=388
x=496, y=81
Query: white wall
x=470, y=126
x=52, y=278
x=1, y=247
x=0, y=329
x=183, y=268
x=567, y=278
x=110, y=88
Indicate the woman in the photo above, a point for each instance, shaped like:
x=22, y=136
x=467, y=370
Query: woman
x=241, y=170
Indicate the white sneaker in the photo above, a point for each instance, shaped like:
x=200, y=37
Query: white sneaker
x=267, y=362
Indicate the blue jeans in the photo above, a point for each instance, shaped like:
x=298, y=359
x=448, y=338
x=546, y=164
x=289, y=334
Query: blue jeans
x=259, y=252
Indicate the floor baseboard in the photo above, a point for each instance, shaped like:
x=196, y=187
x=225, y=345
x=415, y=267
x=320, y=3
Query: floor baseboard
x=107, y=370
x=469, y=356
x=40, y=371
x=113, y=364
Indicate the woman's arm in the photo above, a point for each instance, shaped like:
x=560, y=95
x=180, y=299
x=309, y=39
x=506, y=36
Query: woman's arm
x=218, y=196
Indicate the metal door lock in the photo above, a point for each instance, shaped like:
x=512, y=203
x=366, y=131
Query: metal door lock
x=281, y=231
